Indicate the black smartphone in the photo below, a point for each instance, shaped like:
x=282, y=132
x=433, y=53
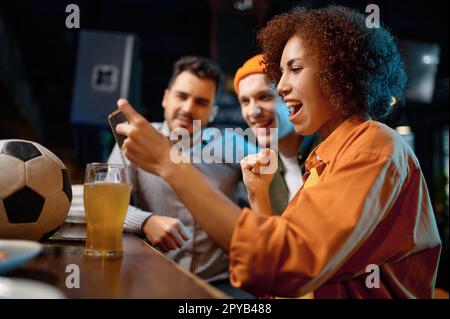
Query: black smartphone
x=115, y=118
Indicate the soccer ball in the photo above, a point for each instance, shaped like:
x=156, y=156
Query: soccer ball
x=35, y=191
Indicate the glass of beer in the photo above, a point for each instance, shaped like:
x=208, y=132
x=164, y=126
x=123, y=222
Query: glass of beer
x=107, y=189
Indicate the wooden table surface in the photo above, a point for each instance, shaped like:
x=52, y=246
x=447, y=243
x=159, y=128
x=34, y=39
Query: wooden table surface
x=142, y=272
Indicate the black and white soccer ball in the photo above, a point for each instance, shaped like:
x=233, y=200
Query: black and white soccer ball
x=35, y=191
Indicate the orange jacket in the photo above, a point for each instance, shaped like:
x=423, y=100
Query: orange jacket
x=364, y=204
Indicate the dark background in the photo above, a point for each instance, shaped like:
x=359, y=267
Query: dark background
x=38, y=60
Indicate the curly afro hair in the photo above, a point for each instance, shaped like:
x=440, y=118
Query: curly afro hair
x=360, y=68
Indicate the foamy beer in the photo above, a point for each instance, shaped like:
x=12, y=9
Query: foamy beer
x=107, y=191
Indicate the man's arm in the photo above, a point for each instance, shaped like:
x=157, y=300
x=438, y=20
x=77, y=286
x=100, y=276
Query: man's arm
x=166, y=233
x=215, y=212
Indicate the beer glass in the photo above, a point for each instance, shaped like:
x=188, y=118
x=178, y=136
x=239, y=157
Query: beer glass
x=106, y=196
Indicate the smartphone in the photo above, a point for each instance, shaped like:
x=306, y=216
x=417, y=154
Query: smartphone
x=115, y=118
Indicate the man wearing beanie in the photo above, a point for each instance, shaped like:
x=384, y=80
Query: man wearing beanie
x=263, y=109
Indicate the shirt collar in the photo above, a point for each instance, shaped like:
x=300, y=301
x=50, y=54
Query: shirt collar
x=326, y=150
x=165, y=129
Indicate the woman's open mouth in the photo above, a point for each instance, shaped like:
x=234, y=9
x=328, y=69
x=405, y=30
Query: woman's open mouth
x=294, y=107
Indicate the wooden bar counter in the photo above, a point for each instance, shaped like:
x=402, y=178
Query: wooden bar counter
x=142, y=272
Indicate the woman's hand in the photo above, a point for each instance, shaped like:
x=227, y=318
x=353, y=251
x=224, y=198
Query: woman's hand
x=258, y=171
x=150, y=150
x=144, y=146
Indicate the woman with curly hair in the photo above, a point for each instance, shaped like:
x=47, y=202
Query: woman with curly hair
x=362, y=226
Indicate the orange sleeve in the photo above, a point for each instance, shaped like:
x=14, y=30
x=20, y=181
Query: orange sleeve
x=255, y=251
x=319, y=231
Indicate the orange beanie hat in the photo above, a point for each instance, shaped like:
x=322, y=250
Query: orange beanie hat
x=251, y=66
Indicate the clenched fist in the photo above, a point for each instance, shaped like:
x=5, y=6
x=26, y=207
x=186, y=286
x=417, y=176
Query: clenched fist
x=166, y=233
x=258, y=170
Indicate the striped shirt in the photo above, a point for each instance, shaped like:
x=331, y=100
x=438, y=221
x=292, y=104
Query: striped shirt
x=153, y=195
